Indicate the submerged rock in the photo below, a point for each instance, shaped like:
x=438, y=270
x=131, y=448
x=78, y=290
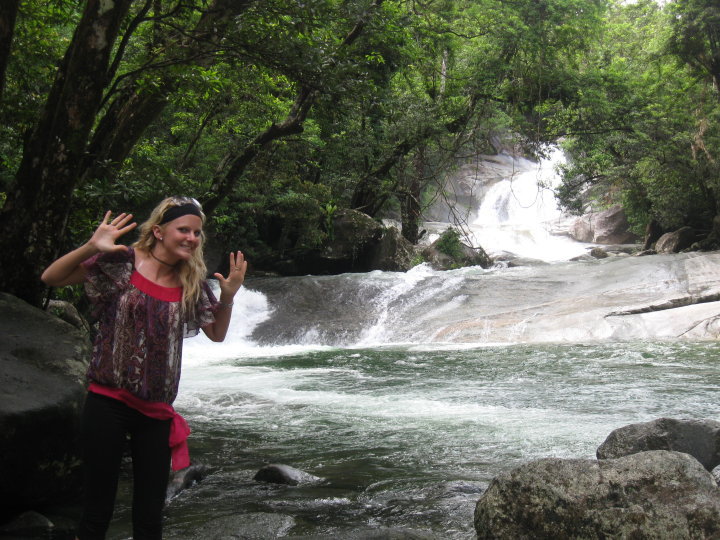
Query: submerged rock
x=599, y=253
x=185, y=478
x=656, y=494
x=251, y=526
x=284, y=474
x=699, y=438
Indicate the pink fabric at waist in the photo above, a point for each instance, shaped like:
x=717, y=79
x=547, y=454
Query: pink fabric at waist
x=179, y=429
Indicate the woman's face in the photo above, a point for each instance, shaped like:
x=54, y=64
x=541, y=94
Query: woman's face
x=181, y=236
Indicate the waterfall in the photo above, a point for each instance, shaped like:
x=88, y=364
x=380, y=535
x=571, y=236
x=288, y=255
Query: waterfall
x=519, y=214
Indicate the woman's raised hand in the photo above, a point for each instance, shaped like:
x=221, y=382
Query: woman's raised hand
x=236, y=274
x=107, y=233
x=68, y=269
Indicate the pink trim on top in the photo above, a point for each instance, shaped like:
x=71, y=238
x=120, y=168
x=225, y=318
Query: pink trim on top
x=166, y=294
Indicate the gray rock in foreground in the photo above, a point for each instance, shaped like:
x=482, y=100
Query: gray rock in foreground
x=699, y=438
x=28, y=525
x=42, y=365
x=656, y=494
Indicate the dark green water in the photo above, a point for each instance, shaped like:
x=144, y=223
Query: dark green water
x=407, y=438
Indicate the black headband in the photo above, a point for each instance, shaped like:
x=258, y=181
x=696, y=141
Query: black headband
x=175, y=212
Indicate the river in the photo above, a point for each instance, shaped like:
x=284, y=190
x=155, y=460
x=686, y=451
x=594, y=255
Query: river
x=408, y=437
x=406, y=393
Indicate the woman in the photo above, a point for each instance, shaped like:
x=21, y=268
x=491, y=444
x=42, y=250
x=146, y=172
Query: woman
x=147, y=298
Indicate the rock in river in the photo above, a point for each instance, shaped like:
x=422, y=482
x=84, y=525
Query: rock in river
x=185, y=478
x=656, y=494
x=699, y=438
x=284, y=474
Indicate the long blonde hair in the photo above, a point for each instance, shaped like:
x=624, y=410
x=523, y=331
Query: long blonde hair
x=191, y=272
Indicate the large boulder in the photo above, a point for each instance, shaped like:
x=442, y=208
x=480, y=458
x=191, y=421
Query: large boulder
x=354, y=235
x=392, y=252
x=676, y=241
x=42, y=371
x=699, y=438
x=656, y=494
x=608, y=226
x=358, y=244
x=353, y=231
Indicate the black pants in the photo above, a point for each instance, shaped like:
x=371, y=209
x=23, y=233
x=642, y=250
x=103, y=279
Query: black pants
x=106, y=424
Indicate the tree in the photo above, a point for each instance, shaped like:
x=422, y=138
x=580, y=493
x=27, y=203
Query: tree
x=35, y=211
x=695, y=36
x=8, y=14
x=642, y=129
x=60, y=156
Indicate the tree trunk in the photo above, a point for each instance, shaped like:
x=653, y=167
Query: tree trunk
x=120, y=128
x=369, y=195
x=225, y=181
x=36, y=210
x=410, y=208
x=8, y=14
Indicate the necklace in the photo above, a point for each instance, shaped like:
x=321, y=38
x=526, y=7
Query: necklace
x=160, y=260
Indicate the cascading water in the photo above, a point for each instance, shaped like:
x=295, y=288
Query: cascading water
x=519, y=214
x=406, y=393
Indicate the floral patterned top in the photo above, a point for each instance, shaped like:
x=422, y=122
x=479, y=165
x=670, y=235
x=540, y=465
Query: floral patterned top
x=141, y=327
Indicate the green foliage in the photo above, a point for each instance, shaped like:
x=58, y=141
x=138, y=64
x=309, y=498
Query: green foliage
x=628, y=87
x=449, y=243
x=329, y=211
x=641, y=130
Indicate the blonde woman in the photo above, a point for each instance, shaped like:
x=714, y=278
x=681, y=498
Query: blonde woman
x=146, y=298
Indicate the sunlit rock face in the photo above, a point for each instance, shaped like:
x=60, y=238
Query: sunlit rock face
x=674, y=296
x=659, y=297
x=608, y=226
